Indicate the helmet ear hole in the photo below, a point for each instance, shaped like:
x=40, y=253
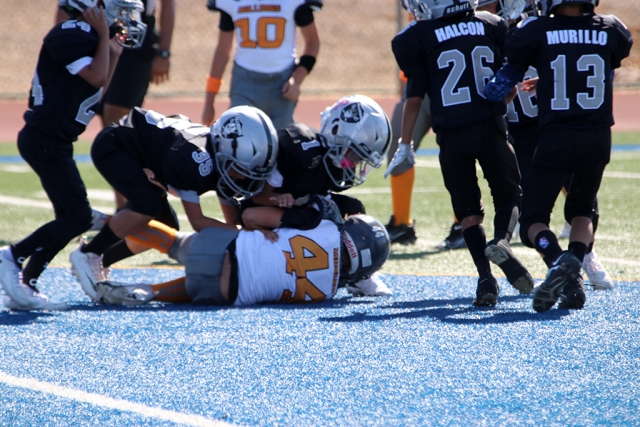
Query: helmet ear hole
x=334, y=130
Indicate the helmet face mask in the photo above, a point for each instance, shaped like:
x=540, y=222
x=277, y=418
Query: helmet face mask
x=511, y=9
x=246, y=147
x=124, y=18
x=357, y=133
x=367, y=243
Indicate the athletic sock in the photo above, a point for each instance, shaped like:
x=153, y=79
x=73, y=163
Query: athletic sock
x=401, y=193
x=103, y=241
x=476, y=240
x=579, y=249
x=154, y=235
x=173, y=291
x=547, y=244
x=116, y=253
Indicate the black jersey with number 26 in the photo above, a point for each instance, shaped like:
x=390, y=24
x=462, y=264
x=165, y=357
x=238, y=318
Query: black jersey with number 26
x=574, y=57
x=453, y=59
x=61, y=103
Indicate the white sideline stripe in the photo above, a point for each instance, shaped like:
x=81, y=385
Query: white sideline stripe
x=107, y=402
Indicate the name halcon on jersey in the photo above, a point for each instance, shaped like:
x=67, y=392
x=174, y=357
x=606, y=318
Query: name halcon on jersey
x=259, y=8
x=460, y=29
x=577, y=37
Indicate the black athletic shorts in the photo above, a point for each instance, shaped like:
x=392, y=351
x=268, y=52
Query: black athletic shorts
x=487, y=143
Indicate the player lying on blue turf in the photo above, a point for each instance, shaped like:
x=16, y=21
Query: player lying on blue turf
x=306, y=259
x=149, y=155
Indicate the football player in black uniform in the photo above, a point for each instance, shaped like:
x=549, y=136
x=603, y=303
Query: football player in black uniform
x=450, y=54
x=354, y=137
x=149, y=154
x=575, y=52
x=71, y=71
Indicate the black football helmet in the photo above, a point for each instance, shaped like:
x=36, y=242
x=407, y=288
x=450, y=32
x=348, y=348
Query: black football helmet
x=547, y=6
x=368, y=245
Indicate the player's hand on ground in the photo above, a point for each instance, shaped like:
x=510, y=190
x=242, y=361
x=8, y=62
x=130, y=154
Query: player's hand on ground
x=160, y=70
x=95, y=17
x=529, y=85
x=291, y=90
x=283, y=200
x=404, y=152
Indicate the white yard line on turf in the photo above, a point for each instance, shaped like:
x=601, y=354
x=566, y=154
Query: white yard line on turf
x=108, y=402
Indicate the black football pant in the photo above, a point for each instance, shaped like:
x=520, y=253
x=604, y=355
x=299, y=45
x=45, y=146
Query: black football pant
x=561, y=152
x=52, y=160
x=487, y=143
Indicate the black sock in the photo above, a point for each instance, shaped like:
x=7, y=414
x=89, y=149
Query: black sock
x=103, y=240
x=116, y=253
x=547, y=244
x=476, y=240
x=18, y=258
x=579, y=249
x=505, y=221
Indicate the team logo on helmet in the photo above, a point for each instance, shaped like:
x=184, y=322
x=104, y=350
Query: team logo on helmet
x=232, y=128
x=352, y=113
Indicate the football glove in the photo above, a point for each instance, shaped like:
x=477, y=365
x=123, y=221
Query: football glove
x=404, y=152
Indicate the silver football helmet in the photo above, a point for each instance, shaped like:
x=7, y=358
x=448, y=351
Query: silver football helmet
x=547, y=6
x=245, y=144
x=434, y=9
x=124, y=18
x=367, y=243
x=357, y=133
x=511, y=9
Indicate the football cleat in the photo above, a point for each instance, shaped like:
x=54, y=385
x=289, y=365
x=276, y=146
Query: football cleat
x=370, y=287
x=500, y=254
x=10, y=277
x=564, y=270
x=116, y=293
x=565, y=232
x=99, y=219
x=487, y=292
x=403, y=233
x=38, y=302
x=87, y=267
x=573, y=296
x=455, y=239
x=598, y=276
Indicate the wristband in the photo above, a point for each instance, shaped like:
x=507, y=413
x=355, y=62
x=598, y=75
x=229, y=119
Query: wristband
x=307, y=61
x=213, y=84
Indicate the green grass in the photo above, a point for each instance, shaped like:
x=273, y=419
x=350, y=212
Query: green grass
x=616, y=243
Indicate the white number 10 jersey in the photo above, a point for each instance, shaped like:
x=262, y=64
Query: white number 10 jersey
x=302, y=266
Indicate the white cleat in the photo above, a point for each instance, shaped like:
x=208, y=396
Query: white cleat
x=42, y=303
x=10, y=278
x=596, y=272
x=566, y=231
x=87, y=267
x=99, y=220
x=110, y=292
x=370, y=287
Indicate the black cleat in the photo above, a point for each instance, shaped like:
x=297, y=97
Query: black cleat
x=565, y=270
x=500, y=254
x=573, y=296
x=455, y=239
x=486, y=292
x=403, y=233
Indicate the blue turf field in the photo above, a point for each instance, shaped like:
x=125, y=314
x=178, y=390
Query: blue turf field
x=421, y=357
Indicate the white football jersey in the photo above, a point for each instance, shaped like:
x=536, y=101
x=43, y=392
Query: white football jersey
x=302, y=266
x=265, y=33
